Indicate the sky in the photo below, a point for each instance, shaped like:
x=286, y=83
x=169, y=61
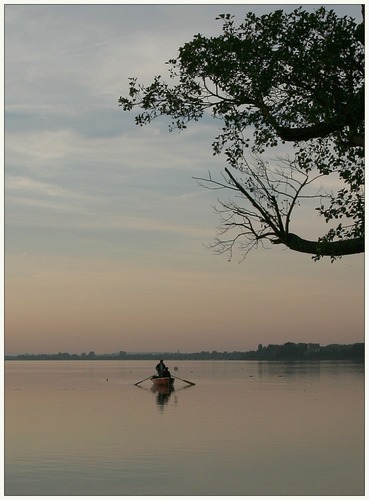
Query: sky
x=107, y=232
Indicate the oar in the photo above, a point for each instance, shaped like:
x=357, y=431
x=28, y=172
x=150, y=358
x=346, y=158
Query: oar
x=144, y=379
x=187, y=381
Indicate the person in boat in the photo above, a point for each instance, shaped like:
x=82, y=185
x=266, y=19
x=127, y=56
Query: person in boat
x=162, y=369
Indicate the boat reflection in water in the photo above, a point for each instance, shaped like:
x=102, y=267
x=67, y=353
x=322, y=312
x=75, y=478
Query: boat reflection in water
x=163, y=388
x=162, y=394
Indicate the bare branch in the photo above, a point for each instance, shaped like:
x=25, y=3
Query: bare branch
x=263, y=203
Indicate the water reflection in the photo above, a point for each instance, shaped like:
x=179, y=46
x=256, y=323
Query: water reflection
x=162, y=395
x=84, y=428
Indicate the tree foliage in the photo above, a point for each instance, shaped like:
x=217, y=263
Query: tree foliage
x=282, y=77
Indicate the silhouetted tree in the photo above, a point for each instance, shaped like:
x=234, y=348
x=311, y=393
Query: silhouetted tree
x=295, y=77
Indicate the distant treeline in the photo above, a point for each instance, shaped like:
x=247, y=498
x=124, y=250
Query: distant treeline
x=273, y=352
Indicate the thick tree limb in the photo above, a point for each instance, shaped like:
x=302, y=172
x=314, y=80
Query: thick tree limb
x=351, y=115
x=322, y=248
x=306, y=133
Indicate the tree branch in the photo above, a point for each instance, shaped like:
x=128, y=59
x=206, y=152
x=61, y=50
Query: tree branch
x=322, y=248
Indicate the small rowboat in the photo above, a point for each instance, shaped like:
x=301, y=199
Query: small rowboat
x=162, y=382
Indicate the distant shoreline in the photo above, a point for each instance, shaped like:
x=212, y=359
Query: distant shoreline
x=273, y=352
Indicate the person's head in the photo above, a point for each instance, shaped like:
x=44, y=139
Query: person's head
x=161, y=361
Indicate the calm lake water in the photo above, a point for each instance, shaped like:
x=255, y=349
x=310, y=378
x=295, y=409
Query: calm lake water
x=245, y=428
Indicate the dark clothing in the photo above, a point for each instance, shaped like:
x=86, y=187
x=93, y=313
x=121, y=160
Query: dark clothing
x=160, y=368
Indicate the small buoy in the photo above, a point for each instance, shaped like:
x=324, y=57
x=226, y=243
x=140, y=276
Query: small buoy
x=107, y=379
x=176, y=368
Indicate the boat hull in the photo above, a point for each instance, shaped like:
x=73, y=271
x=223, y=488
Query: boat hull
x=162, y=382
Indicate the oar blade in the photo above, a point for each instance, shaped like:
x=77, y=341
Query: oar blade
x=183, y=380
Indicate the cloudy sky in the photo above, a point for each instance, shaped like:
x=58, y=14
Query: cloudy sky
x=106, y=229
